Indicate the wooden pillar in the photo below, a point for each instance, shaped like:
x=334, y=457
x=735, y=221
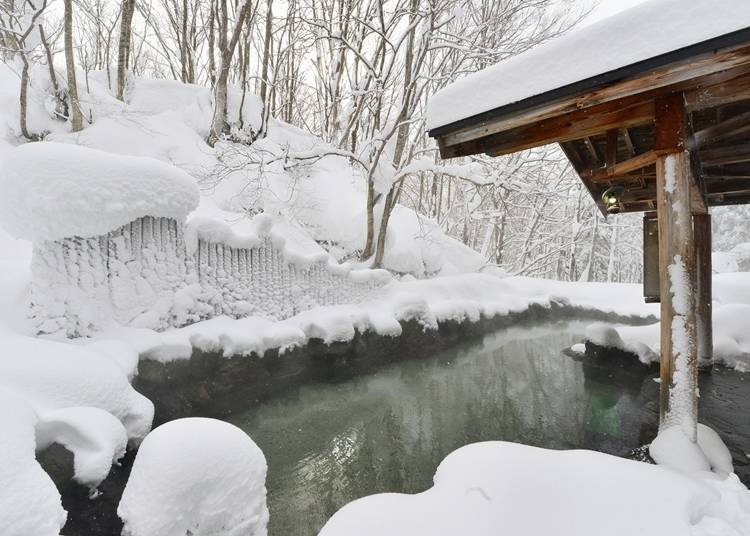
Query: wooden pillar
x=704, y=326
x=674, y=181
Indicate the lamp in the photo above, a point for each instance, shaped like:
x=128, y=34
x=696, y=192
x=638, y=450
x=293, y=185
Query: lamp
x=612, y=197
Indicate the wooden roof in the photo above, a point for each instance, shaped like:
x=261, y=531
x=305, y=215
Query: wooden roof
x=606, y=124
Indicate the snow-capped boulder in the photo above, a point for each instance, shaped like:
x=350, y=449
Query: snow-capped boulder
x=50, y=191
x=29, y=500
x=196, y=476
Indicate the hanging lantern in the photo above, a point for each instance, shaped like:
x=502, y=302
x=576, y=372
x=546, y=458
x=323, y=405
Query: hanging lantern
x=612, y=199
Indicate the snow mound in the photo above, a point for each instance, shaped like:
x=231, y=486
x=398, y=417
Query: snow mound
x=196, y=476
x=29, y=501
x=96, y=439
x=497, y=488
x=53, y=190
x=673, y=449
x=53, y=375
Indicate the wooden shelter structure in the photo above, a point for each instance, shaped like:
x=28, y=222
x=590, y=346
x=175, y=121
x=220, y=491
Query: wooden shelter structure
x=653, y=111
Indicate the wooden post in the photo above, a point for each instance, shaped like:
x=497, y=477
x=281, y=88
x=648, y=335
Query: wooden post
x=704, y=326
x=674, y=181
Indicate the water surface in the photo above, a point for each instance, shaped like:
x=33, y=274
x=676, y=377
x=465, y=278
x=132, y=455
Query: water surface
x=330, y=443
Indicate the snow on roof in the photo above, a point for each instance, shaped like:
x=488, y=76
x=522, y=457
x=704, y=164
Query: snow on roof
x=640, y=33
x=49, y=191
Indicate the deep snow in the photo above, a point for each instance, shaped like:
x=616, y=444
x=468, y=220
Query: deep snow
x=505, y=488
x=642, y=32
x=53, y=190
x=731, y=336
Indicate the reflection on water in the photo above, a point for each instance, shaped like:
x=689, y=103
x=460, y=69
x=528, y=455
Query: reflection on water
x=328, y=444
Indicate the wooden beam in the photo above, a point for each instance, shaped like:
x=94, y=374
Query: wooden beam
x=721, y=156
x=704, y=326
x=651, y=292
x=628, y=141
x=611, y=157
x=739, y=124
x=573, y=126
x=721, y=200
x=678, y=400
x=678, y=76
x=593, y=153
x=724, y=88
x=624, y=167
x=729, y=186
x=572, y=155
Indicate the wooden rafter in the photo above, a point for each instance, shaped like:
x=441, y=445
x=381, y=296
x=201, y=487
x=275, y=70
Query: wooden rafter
x=738, y=124
x=621, y=169
x=722, y=156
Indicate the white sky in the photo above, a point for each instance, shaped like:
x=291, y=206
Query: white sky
x=607, y=8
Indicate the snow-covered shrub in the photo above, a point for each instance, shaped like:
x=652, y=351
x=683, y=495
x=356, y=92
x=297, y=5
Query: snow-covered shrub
x=198, y=477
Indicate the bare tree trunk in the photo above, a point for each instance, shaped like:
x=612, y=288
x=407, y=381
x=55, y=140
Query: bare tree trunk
x=50, y=64
x=76, y=120
x=123, y=51
x=184, y=42
x=219, y=125
x=266, y=52
x=212, y=44
x=401, y=139
x=24, y=96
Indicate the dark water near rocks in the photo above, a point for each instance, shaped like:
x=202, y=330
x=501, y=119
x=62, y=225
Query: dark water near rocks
x=348, y=434
x=333, y=442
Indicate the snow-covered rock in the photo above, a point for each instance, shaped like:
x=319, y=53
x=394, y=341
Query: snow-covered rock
x=52, y=191
x=504, y=488
x=196, y=476
x=29, y=501
x=53, y=375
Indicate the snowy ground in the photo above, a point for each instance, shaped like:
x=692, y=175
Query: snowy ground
x=503, y=488
x=463, y=297
x=731, y=336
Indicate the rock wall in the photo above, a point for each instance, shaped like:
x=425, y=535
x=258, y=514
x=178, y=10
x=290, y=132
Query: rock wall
x=143, y=275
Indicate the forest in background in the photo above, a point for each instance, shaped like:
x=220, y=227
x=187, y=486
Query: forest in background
x=358, y=75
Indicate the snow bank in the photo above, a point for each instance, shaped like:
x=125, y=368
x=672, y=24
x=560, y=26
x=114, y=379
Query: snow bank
x=77, y=397
x=196, y=476
x=672, y=448
x=29, y=501
x=645, y=31
x=52, y=191
x=731, y=336
x=52, y=376
x=457, y=298
x=504, y=488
